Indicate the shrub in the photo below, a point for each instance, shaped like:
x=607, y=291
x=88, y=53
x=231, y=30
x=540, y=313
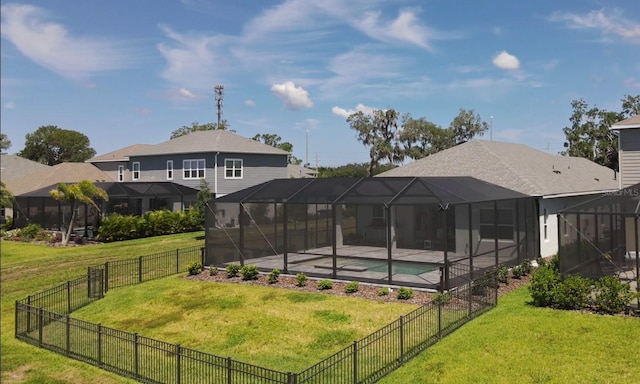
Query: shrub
x=30, y=231
x=324, y=284
x=249, y=272
x=352, y=287
x=194, y=268
x=233, y=270
x=503, y=274
x=526, y=266
x=405, y=293
x=384, y=291
x=518, y=272
x=441, y=298
x=301, y=279
x=273, y=276
x=612, y=296
x=572, y=292
x=544, y=281
x=213, y=270
x=46, y=236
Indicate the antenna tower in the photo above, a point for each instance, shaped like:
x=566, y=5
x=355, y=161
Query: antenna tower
x=219, y=90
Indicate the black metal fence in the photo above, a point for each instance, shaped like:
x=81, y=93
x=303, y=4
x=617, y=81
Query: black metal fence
x=43, y=320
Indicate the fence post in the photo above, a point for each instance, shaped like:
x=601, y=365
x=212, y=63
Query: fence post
x=178, y=353
x=439, y=321
x=470, y=298
x=292, y=378
x=68, y=296
x=28, y=313
x=177, y=261
x=401, y=339
x=355, y=361
x=140, y=270
x=40, y=325
x=202, y=257
x=16, y=320
x=68, y=349
x=135, y=353
x=100, y=345
x=106, y=277
x=229, y=376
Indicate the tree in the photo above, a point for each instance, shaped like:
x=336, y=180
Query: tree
x=185, y=129
x=352, y=170
x=6, y=198
x=52, y=145
x=590, y=135
x=5, y=143
x=82, y=192
x=275, y=141
x=466, y=126
x=203, y=196
x=380, y=132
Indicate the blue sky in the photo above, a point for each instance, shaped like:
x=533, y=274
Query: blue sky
x=128, y=72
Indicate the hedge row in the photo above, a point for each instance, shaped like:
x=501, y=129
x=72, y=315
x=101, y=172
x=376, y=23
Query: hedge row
x=117, y=227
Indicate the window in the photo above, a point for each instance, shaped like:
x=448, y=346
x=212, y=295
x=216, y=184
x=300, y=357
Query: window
x=233, y=169
x=169, y=169
x=545, y=219
x=120, y=173
x=193, y=169
x=135, y=171
x=504, y=223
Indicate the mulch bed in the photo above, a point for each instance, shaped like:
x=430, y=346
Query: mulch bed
x=365, y=291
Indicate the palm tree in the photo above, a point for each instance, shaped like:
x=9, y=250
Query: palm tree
x=82, y=192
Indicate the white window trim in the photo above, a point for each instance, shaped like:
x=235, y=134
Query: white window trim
x=169, y=169
x=120, y=173
x=135, y=170
x=545, y=225
x=234, y=169
x=197, y=169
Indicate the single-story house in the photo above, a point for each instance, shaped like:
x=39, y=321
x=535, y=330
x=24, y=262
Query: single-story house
x=556, y=182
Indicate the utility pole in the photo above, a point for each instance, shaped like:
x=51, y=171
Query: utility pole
x=219, y=89
x=306, y=160
x=491, y=128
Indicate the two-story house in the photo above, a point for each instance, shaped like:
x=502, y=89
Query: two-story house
x=226, y=161
x=628, y=150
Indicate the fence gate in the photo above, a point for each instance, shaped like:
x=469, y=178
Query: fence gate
x=96, y=281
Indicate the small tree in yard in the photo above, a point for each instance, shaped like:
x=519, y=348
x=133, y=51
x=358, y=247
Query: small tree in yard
x=82, y=192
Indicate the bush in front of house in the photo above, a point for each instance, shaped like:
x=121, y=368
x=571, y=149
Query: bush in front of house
x=249, y=272
x=233, y=270
x=301, y=280
x=324, y=284
x=352, y=287
x=272, y=278
x=117, y=227
x=612, y=295
x=544, y=281
x=194, y=268
x=572, y=292
x=405, y=293
x=384, y=291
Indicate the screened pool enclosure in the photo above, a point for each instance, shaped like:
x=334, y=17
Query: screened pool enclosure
x=601, y=237
x=431, y=232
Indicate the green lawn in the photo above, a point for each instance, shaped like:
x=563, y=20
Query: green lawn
x=519, y=343
x=512, y=343
x=270, y=327
x=29, y=268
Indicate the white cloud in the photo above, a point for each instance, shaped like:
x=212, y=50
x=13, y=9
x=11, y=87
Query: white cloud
x=294, y=98
x=143, y=111
x=348, y=112
x=10, y=105
x=404, y=28
x=632, y=82
x=607, y=22
x=505, y=60
x=192, y=60
x=52, y=46
x=250, y=103
x=187, y=93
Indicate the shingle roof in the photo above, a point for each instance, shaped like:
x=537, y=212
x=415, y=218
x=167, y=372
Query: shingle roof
x=119, y=154
x=209, y=141
x=15, y=167
x=514, y=166
x=61, y=173
x=298, y=171
x=632, y=122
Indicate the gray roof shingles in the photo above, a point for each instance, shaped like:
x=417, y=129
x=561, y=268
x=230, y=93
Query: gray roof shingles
x=514, y=166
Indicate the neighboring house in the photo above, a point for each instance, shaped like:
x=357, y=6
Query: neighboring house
x=226, y=161
x=628, y=150
x=296, y=171
x=556, y=181
x=15, y=167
